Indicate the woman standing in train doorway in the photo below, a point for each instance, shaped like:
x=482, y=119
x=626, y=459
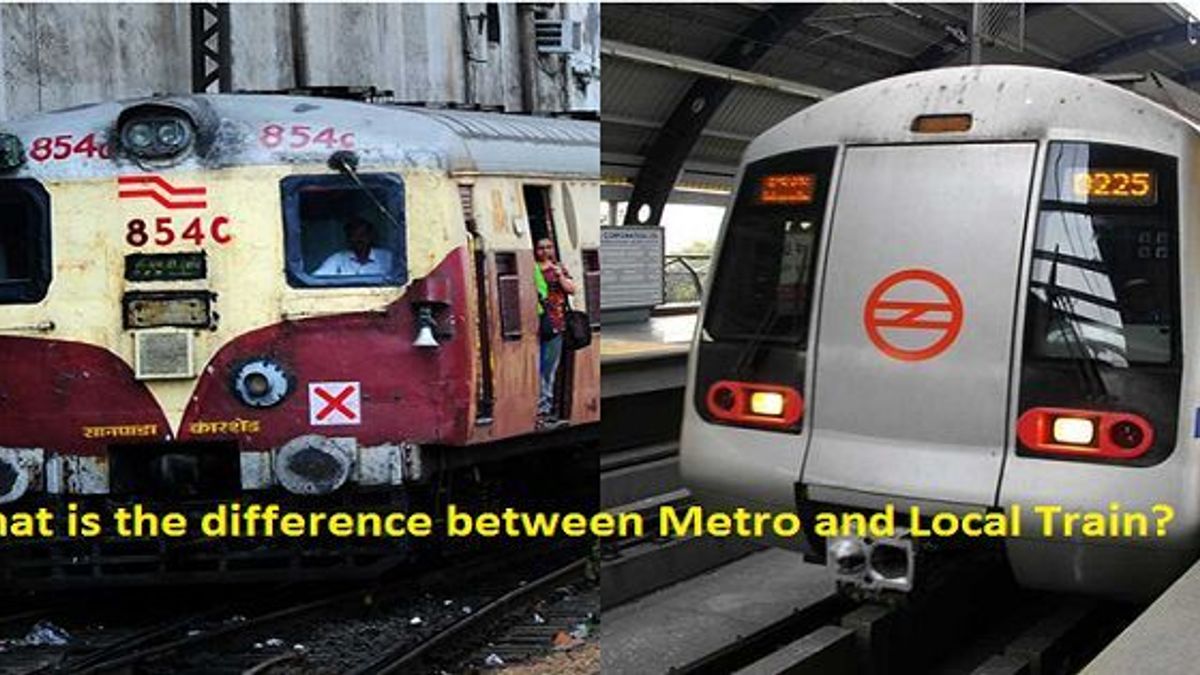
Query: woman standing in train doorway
x=554, y=284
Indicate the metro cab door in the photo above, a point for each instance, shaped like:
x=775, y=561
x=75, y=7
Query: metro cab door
x=915, y=335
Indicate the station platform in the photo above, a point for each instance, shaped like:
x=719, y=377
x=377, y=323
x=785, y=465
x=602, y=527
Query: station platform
x=660, y=336
x=684, y=622
x=1163, y=638
x=643, y=374
x=645, y=357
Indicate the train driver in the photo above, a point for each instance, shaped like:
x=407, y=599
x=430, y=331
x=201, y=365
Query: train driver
x=362, y=257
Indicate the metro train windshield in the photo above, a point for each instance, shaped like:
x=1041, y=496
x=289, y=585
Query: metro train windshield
x=1104, y=280
x=764, y=277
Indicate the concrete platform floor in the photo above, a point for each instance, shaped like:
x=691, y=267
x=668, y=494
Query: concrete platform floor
x=1163, y=639
x=658, y=336
x=658, y=329
x=683, y=622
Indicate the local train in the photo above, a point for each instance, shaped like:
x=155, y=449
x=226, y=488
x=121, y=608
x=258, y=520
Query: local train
x=237, y=297
x=963, y=290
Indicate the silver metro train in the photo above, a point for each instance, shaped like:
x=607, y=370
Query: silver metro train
x=962, y=290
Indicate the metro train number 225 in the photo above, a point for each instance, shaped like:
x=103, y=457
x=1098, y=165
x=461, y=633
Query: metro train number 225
x=161, y=231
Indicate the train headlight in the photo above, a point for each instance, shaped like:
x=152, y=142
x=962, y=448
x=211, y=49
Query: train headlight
x=172, y=134
x=257, y=384
x=156, y=137
x=754, y=404
x=1074, y=430
x=766, y=403
x=140, y=136
x=261, y=383
x=1085, y=433
x=12, y=154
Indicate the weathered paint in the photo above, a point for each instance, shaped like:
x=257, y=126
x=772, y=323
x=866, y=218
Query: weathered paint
x=408, y=395
x=61, y=55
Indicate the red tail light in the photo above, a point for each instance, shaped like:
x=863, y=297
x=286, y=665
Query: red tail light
x=754, y=404
x=1091, y=433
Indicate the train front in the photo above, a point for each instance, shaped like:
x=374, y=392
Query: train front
x=959, y=292
x=207, y=298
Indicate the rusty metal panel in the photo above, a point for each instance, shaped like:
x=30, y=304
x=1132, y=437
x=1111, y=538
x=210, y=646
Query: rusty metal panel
x=188, y=309
x=509, y=283
x=591, y=271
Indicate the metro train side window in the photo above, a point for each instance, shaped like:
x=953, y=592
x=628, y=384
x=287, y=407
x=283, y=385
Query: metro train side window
x=340, y=234
x=764, y=276
x=24, y=242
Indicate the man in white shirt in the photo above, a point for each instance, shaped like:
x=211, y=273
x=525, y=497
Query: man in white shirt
x=362, y=258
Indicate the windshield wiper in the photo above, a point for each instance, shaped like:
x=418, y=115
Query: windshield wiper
x=1063, y=306
x=346, y=163
x=750, y=349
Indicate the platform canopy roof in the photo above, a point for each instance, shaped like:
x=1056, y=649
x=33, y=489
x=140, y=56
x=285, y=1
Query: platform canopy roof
x=686, y=86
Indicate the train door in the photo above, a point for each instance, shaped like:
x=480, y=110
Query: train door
x=485, y=384
x=914, y=341
x=540, y=216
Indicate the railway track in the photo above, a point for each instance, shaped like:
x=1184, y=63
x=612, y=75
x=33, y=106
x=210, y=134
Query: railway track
x=405, y=659
x=306, y=629
x=965, y=629
x=645, y=480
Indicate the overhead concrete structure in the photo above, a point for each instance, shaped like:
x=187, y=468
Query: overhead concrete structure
x=55, y=56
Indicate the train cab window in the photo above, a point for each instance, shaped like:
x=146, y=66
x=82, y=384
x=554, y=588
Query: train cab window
x=1103, y=285
x=764, y=277
x=342, y=234
x=24, y=242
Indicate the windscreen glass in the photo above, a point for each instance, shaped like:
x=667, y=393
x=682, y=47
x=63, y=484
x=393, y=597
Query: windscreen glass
x=24, y=242
x=1103, y=284
x=764, y=277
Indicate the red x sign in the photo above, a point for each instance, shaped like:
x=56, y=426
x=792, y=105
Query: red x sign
x=331, y=403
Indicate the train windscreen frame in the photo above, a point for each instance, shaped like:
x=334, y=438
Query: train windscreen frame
x=759, y=308
x=764, y=275
x=316, y=210
x=1102, y=317
x=25, y=268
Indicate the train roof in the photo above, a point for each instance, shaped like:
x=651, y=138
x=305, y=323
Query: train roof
x=1006, y=103
x=454, y=141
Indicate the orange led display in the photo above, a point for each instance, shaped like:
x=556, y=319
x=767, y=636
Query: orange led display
x=787, y=188
x=1113, y=186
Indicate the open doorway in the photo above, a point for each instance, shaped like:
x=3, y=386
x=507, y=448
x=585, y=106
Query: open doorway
x=541, y=226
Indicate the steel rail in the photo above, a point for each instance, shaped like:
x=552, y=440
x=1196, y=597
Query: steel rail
x=402, y=659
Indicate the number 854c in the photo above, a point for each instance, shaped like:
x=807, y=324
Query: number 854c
x=161, y=231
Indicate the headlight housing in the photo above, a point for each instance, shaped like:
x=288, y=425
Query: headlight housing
x=261, y=383
x=157, y=137
x=166, y=129
x=12, y=152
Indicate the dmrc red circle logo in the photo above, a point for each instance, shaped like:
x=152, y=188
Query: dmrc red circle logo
x=913, y=315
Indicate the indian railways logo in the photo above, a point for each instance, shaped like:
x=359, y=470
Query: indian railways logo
x=158, y=189
x=913, y=315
